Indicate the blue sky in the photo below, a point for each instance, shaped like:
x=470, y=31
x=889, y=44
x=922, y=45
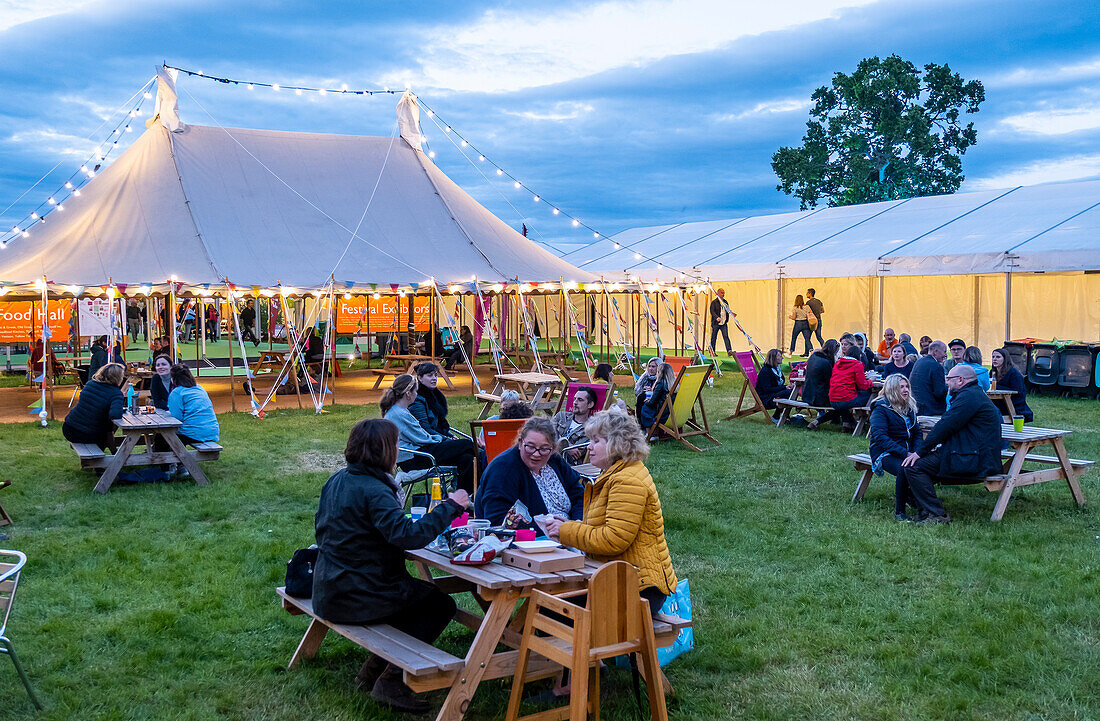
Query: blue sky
x=622, y=113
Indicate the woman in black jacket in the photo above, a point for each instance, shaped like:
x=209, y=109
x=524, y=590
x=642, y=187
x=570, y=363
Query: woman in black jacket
x=894, y=434
x=362, y=536
x=101, y=401
x=655, y=398
x=430, y=406
x=1010, y=378
x=160, y=385
x=770, y=384
x=819, y=370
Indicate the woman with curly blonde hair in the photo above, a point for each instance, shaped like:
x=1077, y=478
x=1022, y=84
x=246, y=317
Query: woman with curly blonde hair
x=622, y=513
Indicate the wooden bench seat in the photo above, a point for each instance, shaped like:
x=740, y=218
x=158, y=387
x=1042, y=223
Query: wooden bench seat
x=92, y=456
x=862, y=462
x=487, y=397
x=788, y=406
x=380, y=373
x=415, y=657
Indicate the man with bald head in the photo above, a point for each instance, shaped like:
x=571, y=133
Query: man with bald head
x=889, y=340
x=927, y=383
x=969, y=440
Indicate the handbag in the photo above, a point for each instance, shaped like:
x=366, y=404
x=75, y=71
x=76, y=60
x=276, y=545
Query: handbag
x=811, y=318
x=299, y=572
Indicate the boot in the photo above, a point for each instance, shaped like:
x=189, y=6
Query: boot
x=369, y=673
x=391, y=691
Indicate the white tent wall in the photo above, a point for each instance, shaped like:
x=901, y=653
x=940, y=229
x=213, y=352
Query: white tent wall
x=1056, y=305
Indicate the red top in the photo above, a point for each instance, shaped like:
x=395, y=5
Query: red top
x=848, y=379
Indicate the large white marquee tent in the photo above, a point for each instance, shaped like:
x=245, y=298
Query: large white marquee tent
x=982, y=266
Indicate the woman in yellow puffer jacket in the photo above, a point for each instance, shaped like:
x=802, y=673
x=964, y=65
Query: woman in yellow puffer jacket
x=622, y=513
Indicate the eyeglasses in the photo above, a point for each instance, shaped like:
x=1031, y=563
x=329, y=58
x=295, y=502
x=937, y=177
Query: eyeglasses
x=537, y=450
x=954, y=378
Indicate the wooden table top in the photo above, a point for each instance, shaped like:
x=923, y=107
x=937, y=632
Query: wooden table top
x=529, y=377
x=147, y=421
x=1008, y=432
x=496, y=575
x=999, y=392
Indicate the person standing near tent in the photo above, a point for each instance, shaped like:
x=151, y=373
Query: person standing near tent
x=133, y=318
x=719, y=321
x=212, y=321
x=818, y=309
x=801, y=317
x=248, y=322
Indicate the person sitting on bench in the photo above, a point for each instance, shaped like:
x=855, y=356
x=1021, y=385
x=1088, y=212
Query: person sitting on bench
x=655, y=398
x=894, y=433
x=849, y=386
x=362, y=535
x=465, y=343
x=101, y=401
x=969, y=436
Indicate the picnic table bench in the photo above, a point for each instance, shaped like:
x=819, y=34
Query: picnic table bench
x=145, y=428
x=499, y=590
x=1013, y=474
x=407, y=361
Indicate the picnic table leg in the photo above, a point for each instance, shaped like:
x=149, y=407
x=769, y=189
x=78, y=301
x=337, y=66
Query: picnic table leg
x=188, y=461
x=485, y=642
x=861, y=487
x=1067, y=468
x=784, y=416
x=118, y=460
x=1010, y=482
x=310, y=642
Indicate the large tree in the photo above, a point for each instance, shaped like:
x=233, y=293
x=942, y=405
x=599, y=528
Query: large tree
x=881, y=133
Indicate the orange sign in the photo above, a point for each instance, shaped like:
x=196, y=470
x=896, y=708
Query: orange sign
x=388, y=314
x=21, y=320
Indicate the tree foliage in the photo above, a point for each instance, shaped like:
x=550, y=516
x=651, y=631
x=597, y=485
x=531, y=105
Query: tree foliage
x=884, y=120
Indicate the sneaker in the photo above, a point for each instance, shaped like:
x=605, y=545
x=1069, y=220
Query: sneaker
x=902, y=518
x=933, y=519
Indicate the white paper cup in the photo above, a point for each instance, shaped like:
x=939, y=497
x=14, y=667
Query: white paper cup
x=418, y=512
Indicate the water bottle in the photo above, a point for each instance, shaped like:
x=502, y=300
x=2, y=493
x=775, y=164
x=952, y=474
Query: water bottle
x=131, y=399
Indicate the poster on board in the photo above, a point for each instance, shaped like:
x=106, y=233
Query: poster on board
x=21, y=320
x=94, y=315
x=387, y=314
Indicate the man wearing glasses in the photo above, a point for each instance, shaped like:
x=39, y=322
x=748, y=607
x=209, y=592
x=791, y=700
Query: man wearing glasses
x=969, y=440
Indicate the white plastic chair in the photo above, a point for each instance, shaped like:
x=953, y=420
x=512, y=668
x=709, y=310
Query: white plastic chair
x=9, y=580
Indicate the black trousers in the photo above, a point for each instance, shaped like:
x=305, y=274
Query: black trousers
x=922, y=477
x=425, y=619
x=452, y=452
x=103, y=439
x=902, y=494
x=724, y=327
x=454, y=357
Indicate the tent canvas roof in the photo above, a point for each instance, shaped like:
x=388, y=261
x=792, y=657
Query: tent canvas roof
x=1054, y=227
x=263, y=207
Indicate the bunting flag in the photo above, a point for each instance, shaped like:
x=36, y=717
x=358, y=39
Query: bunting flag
x=578, y=331
x=453, y=325
x=653, y=327
x=532, y=340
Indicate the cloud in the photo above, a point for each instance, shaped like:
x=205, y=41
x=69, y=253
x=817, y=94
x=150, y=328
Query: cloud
x=51, y=142
x=1055, y=121
x=503, y=52
x=1045, y=75
x=786, y=105
x=564, y=110
x=17, y=12
x=1074, y=167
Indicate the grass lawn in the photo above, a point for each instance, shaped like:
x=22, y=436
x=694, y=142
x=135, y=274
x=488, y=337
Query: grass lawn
x=157, y=602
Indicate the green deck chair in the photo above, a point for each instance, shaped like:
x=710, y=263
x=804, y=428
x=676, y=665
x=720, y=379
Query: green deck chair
x=686, y=415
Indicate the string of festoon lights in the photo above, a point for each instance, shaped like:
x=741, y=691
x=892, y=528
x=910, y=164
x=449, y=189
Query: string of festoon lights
x=71, y=187
x=457, y=139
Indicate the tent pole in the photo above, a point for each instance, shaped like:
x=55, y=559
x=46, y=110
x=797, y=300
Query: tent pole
x=149, y=324
x=779, y=311
x=171, y=314
x=977, y=308
x=1008, y=305
x=200, y=339
x=198, y=335
x=433, y=314
x=881, y=296
x=232, y=381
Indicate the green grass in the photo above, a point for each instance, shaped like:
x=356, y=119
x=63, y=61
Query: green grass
x=157, y=602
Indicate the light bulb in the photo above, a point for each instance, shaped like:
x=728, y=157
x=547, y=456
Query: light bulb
x=132, y=114
x=537, y=198
x=15, y=229
x=481, y=158
x=129, y=129
x=595, y=235
x=34, y=216
x=137, y=111
x=556, y=211
x=200, y=72
x=68, y=184
x=148, y=95
x=76, y=192
x=297, y=91
x=576, y=222
x=376, y=296
x=516, y=184
x=51, y=201
x=60, y=206
x=251, y=86
x=431, y=153
x=116, y=131
x=464, y=143
x=431, y=113
x=347, y=296
x=500, y=172
x=84, y=168
x=275, y=86
x=447, y=129
x=617, y=246
x=25, y=235
x=637, y=256
x=324, y=92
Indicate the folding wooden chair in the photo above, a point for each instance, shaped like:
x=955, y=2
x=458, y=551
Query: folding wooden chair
x=677, y=362
x=614, y=621
x=5, y=519
x=682, y=401
x=9, y=580
x=500, y=435
x=747, y=362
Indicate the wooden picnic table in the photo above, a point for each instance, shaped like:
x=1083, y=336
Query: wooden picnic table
x=1002, y=398
x=499, y=589
x=147, y=426
x=408, y=361
x=269, y=359
x=535, y=388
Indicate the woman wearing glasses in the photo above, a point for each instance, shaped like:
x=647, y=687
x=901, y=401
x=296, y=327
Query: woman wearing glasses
x=532, y=472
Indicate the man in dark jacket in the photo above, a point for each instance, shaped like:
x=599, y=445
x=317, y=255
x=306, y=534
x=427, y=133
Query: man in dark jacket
x=927, y=381
x=719, y=321
x=248, y=323
x=819, y=310
x=969, y=436
x=819, y=371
